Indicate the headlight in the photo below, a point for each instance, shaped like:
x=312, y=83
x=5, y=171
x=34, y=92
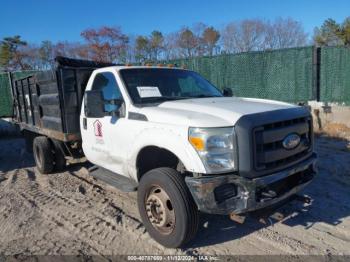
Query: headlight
x=216, y=147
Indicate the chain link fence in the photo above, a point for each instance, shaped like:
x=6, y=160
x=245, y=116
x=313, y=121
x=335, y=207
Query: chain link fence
x=335, y=75
x=5, y=95
x=279, y=74
x=292, y=75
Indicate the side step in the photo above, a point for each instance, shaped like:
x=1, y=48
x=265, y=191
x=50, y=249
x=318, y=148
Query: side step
x=113, y=179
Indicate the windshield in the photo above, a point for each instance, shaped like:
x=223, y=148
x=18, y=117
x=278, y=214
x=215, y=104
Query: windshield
x=152, y=85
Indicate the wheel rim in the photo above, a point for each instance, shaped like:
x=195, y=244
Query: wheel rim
x=160, y=211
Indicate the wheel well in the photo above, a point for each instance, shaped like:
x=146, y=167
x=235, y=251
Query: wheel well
x=153, y=157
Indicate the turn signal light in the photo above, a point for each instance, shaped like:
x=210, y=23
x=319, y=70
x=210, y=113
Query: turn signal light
x=197, y=143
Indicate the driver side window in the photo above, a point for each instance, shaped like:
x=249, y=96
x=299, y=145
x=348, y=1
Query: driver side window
x=108, y=85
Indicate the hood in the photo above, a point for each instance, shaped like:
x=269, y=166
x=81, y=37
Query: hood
x=209, y=112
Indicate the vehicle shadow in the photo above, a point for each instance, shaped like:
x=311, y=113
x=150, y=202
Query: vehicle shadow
x=13, y=154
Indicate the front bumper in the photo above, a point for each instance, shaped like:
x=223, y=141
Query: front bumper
x=224, y=194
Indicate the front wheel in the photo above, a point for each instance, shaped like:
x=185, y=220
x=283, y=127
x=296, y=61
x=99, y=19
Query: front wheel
x=167, y=208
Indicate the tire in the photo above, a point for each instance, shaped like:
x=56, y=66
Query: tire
x=181, y=214
x=59, y=157
x=43, y=154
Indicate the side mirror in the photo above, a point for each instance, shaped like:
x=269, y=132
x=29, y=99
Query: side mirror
x=94, y=104
x=112, y=106
x=227, y=92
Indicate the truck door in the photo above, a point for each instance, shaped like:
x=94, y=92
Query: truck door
x=100, y=135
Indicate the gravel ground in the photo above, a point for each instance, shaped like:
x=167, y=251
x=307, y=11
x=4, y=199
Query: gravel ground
x=70, y=213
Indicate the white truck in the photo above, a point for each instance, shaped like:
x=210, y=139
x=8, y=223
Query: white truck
x=168, y=133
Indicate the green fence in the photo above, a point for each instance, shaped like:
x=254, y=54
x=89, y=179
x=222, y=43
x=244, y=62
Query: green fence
x=5, y=91
x=335, y=75
x=292, y=75
x=286, y=74
x=5, y=96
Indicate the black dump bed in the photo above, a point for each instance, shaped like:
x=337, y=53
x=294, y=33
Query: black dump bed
x=49, y=102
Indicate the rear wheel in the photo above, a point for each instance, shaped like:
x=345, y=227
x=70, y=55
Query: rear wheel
x=43, y=154
x=167, y=208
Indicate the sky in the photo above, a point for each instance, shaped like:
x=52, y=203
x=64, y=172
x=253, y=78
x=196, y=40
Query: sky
x=37, y=20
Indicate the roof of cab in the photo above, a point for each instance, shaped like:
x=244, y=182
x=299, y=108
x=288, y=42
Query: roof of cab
x=117, y=68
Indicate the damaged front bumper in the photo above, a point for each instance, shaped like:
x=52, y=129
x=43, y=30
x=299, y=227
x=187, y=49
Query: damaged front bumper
x=224, y=194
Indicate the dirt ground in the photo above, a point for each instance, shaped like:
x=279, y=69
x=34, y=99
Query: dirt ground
x=70, y=213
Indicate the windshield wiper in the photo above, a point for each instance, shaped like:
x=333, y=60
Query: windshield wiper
x=162, y=98
x=204, y=96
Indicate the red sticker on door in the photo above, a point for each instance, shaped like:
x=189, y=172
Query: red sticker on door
x=98, y=128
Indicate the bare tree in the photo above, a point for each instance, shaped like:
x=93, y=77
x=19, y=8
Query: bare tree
x=198, y=30
x=171, y=48
x=284, y=33
x=72, y=50
x=256, y=34
x=244, y=36
x=130, y=52
x=46, y=53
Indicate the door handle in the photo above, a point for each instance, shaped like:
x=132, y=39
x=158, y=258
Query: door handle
x=84, y=123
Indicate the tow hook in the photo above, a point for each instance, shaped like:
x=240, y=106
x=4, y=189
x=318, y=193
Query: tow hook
x=237, y=218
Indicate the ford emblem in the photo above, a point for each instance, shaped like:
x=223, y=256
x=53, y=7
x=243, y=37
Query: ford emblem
x=291, y=141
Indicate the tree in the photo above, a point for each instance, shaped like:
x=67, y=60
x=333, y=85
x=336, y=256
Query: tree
x=198, y=31
x=71, y=49
x=171, y=48
x=46, y=53
x=149, y=47
x=244, y=36
x=107, y=44
x=5, y=57
x=284, y=33
x=188, y=42
x=345, y=36
x=156, y=43
x=31, y=58
x=329, y=34
x=11, y=56
x=142, y=49
x=333, y=34
x=210, y=38
x=256, y=34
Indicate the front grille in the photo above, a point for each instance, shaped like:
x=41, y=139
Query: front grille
x=268, y=142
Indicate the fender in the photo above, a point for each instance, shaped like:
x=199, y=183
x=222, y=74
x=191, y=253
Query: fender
x=168, y=138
